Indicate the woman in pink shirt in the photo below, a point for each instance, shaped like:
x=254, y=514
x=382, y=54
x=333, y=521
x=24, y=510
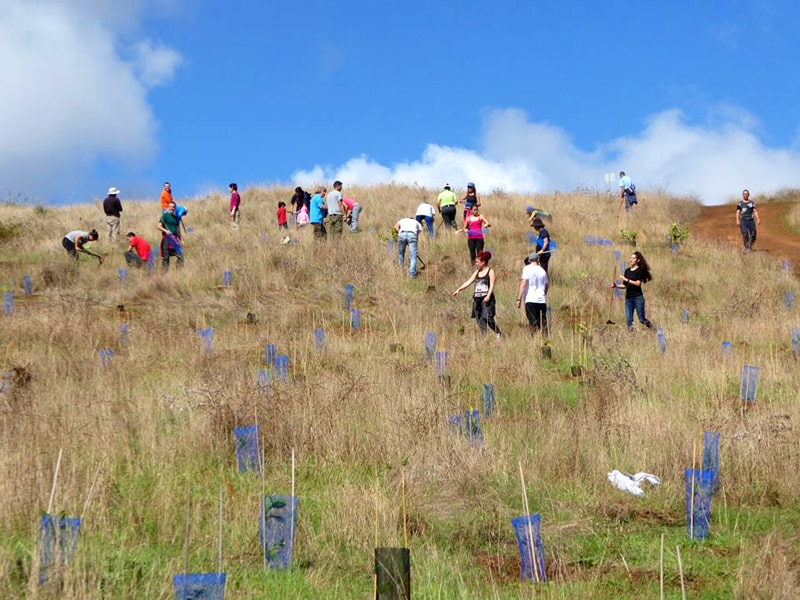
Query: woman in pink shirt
x=234, y=205
x=474, y=224
x=353, y=210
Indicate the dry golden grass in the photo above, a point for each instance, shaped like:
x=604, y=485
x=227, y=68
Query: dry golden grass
x=158, y=420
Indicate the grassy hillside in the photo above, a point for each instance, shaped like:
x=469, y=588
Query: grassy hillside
x=154, y=427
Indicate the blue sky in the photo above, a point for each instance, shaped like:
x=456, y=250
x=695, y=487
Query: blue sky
x=523, y=96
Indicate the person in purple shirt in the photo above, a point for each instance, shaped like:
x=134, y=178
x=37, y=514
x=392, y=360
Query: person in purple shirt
x=234, y=205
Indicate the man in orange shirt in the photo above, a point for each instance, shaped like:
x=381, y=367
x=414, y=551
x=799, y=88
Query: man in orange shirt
x=166, y=196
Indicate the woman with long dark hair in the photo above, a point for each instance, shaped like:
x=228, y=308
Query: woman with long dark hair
x=635, y=276
x=483, y=301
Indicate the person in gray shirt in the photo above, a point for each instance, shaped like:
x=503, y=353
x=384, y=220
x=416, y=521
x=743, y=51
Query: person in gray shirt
x=335, y=209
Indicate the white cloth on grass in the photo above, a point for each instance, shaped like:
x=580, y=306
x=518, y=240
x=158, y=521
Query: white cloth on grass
x=630, y=483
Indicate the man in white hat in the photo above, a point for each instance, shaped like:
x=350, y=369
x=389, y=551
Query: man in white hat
x=113, y=208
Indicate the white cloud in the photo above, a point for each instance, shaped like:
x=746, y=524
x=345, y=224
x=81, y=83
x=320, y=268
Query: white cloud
x=713, y=161
x=69, y=98
x=155, y=63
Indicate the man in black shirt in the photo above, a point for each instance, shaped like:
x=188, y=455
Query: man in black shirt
x=113, y=208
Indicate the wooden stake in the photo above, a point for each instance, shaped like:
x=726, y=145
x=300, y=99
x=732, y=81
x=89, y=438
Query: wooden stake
x=680, y=571
x=55, y=479
x=375, y=577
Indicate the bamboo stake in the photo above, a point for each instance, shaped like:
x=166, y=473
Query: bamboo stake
x=55, y=479
x=188, y=533
x=262, y=513
x=627, y=568
x=291, y=500
x=526, y=510
x=375, y=577
x=661, y=568
x=91, y=491
x=405, y=523
x=680, y=570
x=219, y=557
x=691, y=499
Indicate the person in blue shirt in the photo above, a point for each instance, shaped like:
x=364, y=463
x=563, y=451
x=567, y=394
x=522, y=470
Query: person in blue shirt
x=317, y=212
x=627, y=191
x=542, y=243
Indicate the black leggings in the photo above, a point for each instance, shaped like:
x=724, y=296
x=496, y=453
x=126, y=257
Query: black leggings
x=474, y=246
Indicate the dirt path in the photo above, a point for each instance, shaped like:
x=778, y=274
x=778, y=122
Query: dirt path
x=718, y=223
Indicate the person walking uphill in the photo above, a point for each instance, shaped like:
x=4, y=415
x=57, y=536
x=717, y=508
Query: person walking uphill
x=235, y=203
x=166, y=196
x=171, y=244
x=408, y=231
x=543, y=245
x=627, y=191
x=113, y=209
x=474, y=223
x=746, y=219
x=447, y=206
x=636, y=275
x=483, y=300
x=470, y=199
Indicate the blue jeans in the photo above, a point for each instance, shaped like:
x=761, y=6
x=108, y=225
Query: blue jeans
x=428, y=221
x=637, y=302
x=748, y=227
x=407, y=238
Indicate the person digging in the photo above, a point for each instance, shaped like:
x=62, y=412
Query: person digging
x=76, y=241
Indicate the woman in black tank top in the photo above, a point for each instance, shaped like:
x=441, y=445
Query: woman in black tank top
x=483, y=300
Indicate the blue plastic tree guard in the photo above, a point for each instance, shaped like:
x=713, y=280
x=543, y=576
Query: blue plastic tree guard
x=207, y=335
x=711, y=455
x=54, y=545
x=685, y=315
x=488, y=400
x=199, y=586
x=277, y=522
x=247, y=451
x=699, y=486
x=430, y=347
x=124, y=330
x=26, y=284
x=320, y=339
x=796, y=341
x=662, y=340
x=106, y=354
x=530, y=238
x=788, y=299
x=265, y=381
x=593, y=240
x=151, y=261
x=7, y=382
x=527, y=529
x=749, y=383
x=617, y=255
x=390, y=248
x=726, y=347
x=468, y=425
x=349, y=290
x=270, y=352
x=282, y=367
x=123, y=276
x=441, y=363
x=226, y=279
x=355, y=319
x=8, y=303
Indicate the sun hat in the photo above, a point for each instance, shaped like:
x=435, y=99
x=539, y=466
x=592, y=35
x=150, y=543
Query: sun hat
x=112, y=191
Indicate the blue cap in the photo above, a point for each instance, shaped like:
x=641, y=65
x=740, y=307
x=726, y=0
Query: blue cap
x=470, y=184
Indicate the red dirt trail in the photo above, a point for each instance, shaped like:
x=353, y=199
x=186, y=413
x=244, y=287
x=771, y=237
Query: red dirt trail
x=718, y=223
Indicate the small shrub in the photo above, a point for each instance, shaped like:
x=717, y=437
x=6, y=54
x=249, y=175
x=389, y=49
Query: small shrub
x=9, y=231
x=677, y=234
x=629, y=236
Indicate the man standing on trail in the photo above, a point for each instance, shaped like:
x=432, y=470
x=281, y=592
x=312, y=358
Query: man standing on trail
x=627, y=191
x=335, y=209
x=746, y=219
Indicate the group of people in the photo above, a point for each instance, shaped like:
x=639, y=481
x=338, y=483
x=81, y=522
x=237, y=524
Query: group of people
x=139, y=252
x=324, y=211
x=330, y=211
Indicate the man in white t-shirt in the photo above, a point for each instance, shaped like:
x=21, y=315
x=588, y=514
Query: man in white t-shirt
x=425, y=212
x=407, y=231
x=533, y=286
